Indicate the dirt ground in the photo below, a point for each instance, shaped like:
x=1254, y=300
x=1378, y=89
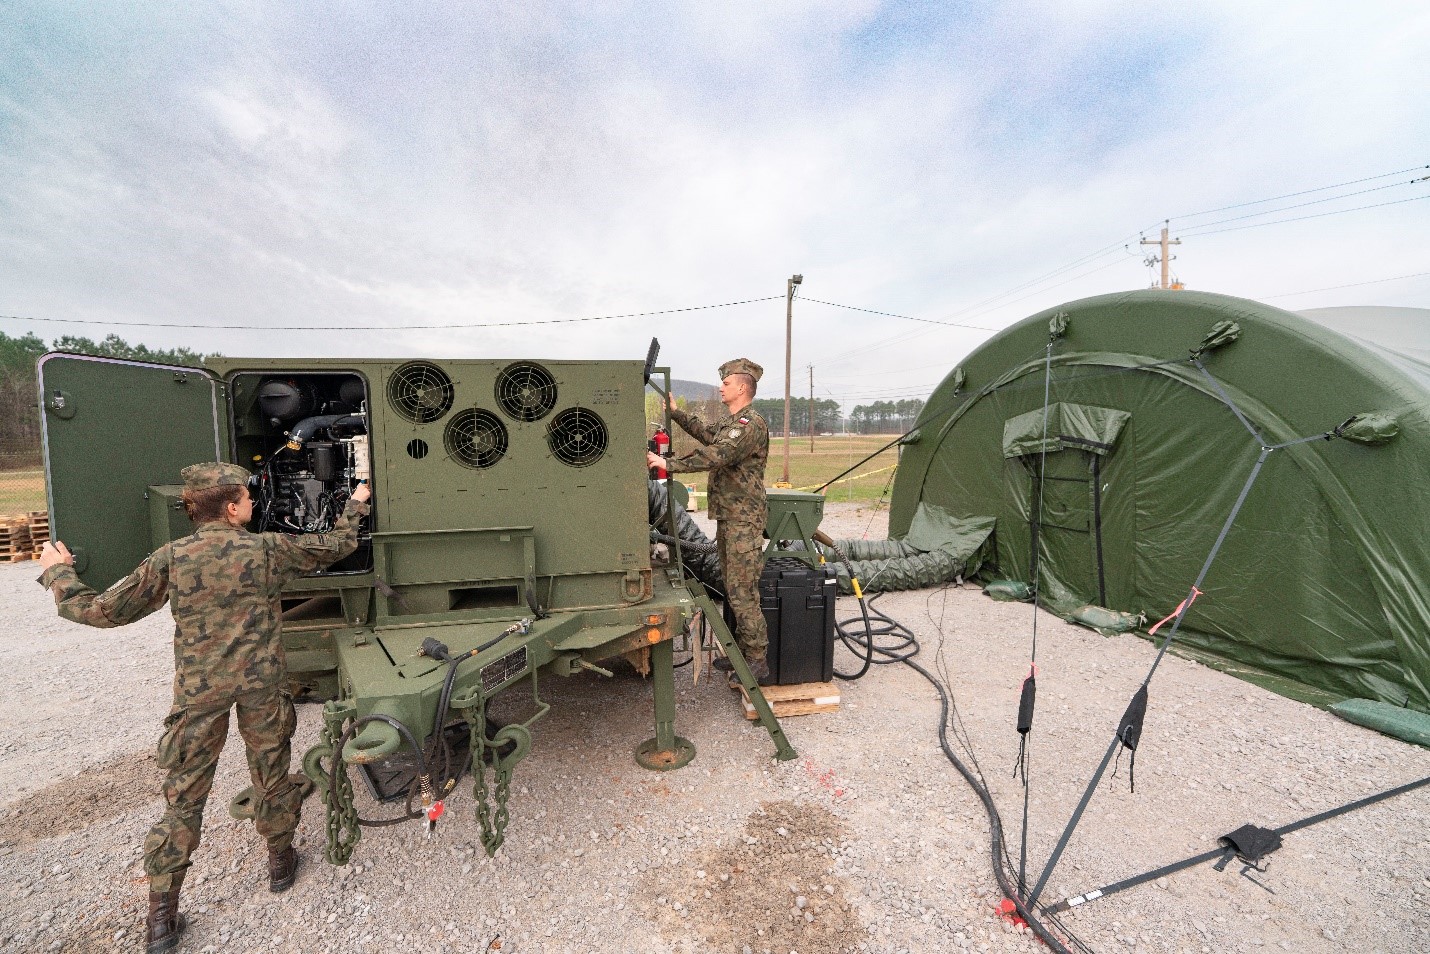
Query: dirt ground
x=869, y=841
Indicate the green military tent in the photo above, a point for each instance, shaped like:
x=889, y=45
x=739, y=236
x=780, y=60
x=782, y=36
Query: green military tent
x=1125, y=471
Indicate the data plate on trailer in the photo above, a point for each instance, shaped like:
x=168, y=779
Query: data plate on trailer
x=509, y=666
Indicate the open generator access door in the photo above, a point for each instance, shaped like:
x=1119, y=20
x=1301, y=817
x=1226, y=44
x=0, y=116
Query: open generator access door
x=112, y=429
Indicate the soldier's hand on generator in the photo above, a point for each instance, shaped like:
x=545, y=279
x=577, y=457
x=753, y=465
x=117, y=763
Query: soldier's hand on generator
x=363, y=492
x=54, y=553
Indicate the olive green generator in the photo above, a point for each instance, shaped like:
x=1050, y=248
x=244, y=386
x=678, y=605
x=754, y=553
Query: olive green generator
x=509, y=542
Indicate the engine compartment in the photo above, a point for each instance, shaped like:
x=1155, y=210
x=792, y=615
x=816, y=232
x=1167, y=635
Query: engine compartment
x=305, y=436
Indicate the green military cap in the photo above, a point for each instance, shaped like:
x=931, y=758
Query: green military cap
x=741, y=366
x=214, y=474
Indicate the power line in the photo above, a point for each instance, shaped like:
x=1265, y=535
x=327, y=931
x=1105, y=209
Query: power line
x=1302, y=205
x=489, y=324
x=1374, y=281
x=887, y=314
x=1075, y=263
x=1301, y=218
x=1292, y=195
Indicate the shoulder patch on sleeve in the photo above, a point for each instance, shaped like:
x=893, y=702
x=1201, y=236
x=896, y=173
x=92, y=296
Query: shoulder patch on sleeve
x=744, y=420
x=734, y=432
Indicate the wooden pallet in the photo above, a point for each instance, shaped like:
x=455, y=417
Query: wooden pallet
x=16, y=545
x=806, y=698
x=39, y=521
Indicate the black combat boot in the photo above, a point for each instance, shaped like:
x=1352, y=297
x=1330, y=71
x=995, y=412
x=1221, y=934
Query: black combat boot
x=165, y=923
x=759, y=669
x=282, y=869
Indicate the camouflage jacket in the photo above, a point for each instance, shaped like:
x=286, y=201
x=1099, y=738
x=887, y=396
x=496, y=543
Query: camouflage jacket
x=222, y=585
x=736, y=449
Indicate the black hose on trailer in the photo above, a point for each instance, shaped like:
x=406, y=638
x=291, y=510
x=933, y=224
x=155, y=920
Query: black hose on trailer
x=419, y=779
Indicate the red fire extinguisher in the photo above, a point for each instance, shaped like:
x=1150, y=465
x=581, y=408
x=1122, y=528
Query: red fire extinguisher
x=660, y=445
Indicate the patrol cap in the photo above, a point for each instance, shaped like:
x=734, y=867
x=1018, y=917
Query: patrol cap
x=741, y=366
x=214, y=474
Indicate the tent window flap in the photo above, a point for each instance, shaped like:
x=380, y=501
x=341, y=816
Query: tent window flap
x=1077, y=426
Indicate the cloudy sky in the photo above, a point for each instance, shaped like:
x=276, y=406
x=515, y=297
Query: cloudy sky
x=378, y=167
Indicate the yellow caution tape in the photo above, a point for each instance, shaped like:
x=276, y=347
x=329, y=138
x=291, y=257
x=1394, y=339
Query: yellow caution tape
x=869, y=473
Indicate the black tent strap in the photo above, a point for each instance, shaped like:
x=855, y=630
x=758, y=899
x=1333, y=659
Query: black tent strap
x=1224, y=850
x=1097, y=529
x=1226, y=399
x=1081, y=441
x=1026, y=701
x=1171, y=635
x=1250, y=843
x=1129, y=732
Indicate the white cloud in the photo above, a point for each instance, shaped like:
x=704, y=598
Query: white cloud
x=556, y=161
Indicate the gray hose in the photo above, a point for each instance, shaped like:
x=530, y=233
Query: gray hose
x=697, y=551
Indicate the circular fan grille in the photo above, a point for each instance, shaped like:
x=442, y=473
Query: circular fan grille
x=475, y=437
x=577, y=437
x=420, y=392
x=526, y=392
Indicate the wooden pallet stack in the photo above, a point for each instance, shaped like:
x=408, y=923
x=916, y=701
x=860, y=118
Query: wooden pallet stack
x=15, y=543
x=39, y=530
x=804, y=699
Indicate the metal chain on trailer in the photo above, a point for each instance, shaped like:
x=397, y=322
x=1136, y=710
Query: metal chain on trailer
x=341, y=815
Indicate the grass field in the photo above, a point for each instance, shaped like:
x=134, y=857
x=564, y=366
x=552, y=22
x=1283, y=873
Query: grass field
x=831, y=455
x=21, y=491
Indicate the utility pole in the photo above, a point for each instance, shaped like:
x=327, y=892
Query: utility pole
x=1166, y=258
x=811, y=409
x=793, y=281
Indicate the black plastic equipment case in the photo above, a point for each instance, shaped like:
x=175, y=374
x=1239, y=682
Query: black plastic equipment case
x=798, y=603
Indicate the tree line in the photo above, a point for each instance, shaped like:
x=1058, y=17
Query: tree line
x=881, y=417
x=886, y=417
x=19, y=394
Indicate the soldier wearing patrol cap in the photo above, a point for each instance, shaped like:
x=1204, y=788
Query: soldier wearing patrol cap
x=222, y=584
x=735, y=449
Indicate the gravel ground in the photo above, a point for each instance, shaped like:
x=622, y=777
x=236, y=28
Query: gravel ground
x=869, y=841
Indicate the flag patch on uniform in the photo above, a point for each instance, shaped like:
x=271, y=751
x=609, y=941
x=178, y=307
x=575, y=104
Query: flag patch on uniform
x=744, y=420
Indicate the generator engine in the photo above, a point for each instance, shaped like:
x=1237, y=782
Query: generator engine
x=305, y=490
x=315, y=432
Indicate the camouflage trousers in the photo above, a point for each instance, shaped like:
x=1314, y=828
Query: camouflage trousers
x=741, y=548
x=189, y=749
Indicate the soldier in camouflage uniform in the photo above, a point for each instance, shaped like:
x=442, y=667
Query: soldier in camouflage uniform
x=222, y=584
x=735, y=450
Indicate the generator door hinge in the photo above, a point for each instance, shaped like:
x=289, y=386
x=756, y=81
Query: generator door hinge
x=636, y=585
x=60, y=404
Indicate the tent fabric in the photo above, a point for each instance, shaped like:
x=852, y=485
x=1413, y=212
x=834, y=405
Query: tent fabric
x=1093, y=429
x=1404, y=724
x=1324, y=579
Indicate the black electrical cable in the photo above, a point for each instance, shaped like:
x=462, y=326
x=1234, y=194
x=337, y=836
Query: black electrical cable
x=437, y=746
x=903, y=651
x=406, y=733
x=995, y=822
x=876, y=624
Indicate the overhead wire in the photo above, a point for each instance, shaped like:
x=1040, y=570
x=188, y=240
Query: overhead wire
x=1293, y=195
x=431, y=327
x=1302, y=218
x=1375, y=281
x=1302, y=205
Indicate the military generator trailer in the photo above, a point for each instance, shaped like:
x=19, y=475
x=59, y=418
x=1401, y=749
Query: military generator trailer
x=508, y=542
